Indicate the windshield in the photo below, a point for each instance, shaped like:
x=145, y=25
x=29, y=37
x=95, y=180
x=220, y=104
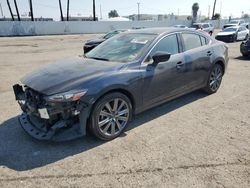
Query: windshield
x=230, y=29
x=125, y=47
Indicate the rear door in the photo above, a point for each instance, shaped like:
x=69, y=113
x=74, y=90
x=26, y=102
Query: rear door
x=198, y=55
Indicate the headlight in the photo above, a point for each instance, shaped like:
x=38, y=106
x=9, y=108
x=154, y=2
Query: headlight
x=72, y=95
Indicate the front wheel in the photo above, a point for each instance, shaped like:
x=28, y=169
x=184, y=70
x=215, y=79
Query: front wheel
x=214, y=80
x=110, y=116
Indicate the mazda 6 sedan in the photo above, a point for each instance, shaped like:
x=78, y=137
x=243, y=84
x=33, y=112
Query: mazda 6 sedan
x=125, y=75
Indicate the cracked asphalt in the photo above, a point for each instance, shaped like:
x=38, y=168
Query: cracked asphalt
x=197, y=140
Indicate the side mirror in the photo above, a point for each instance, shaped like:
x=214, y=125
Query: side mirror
x=159, y=57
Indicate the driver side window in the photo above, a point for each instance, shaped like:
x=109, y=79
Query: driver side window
x=168, y=44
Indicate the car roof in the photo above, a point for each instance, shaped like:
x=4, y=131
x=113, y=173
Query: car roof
x=161, y=30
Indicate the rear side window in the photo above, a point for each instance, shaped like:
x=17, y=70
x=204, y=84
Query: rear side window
x=191, y=41
x=203, y=40
x=205, y=26
x=168, y=44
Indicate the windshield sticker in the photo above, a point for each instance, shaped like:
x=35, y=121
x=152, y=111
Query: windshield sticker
x=138, y=41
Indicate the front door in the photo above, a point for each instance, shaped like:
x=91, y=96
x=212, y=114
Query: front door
x=167, y=78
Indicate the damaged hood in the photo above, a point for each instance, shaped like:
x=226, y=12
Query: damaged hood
x=69, y=74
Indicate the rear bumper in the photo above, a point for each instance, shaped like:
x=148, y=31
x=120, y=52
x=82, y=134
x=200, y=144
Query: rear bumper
x=229, y=38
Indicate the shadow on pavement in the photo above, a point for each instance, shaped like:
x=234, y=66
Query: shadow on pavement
x=20, y=152
x=243, y=58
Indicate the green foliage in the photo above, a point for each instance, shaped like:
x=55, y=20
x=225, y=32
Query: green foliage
x=216, y=16
x=113, y=13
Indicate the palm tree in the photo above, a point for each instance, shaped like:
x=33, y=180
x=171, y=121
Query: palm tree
x=214, y=10
x=61, y=13
x=94, y=18
x=195, y=9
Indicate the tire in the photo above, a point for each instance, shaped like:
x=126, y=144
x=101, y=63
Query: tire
x=110, y=116
x=214, y=79
x=235, y=38
x=210, y=33
x=245, y=55
x=246, y=37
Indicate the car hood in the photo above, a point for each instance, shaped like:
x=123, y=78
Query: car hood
x=95, y=41
x=225, y=33
x=68, y=74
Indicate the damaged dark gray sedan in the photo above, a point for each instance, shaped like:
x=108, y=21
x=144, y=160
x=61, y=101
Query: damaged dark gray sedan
x=123, y=76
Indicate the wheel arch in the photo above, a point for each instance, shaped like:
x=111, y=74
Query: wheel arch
x=222, y=64
x=116, y=90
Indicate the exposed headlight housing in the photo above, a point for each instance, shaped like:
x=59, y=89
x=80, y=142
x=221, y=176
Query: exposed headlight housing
x=73, y=95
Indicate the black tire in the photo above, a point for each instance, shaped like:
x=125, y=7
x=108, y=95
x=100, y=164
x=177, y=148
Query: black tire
x=235, y=37
x=245, y=55
x=214, y=79
x=106, y=114
x=246, y=37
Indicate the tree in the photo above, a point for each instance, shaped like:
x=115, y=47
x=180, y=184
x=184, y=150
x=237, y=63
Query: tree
x=245, y=16
x=216, y=16
x=189, y=18
x=113, y=13
x=195, y=9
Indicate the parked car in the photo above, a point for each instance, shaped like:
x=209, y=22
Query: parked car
x=125, y=75
x=180, y=26
x=245, y=48
x=232, y=34
x=233, y=23
x=207, y=27
x=90, y=44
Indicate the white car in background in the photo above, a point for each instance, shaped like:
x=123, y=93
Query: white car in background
x=232, y=34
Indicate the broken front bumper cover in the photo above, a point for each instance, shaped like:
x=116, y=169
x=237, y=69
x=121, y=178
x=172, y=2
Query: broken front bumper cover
x=58, y=132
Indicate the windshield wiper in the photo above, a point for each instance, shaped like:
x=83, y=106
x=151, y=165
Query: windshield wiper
x=99, y=58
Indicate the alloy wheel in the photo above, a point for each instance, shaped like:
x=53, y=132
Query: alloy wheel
x=215, y=78
x=113, y=117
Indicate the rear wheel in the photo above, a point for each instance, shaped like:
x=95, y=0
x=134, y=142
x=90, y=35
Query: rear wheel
x=110, y=116
x=214, y=80
x=246, y=37
x=245, y=55
x=235, y=37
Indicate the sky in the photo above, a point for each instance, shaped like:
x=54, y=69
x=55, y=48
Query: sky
x=50, y=8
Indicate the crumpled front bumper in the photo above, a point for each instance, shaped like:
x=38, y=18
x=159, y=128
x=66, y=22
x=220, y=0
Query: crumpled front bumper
x=58, y=132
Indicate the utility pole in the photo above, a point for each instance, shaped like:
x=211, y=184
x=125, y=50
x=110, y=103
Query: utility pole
x=1, y=9
x=214, y=9
x=68, y=11
x=138, y=4
x=17, y=12
x=94, y=18
x=31, y=11
x=61, y=13
x=208, y=15
x=100, y=12
x=11, y=13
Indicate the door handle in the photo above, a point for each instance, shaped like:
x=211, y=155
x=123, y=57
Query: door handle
x=209, y=53
x=179, y=64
